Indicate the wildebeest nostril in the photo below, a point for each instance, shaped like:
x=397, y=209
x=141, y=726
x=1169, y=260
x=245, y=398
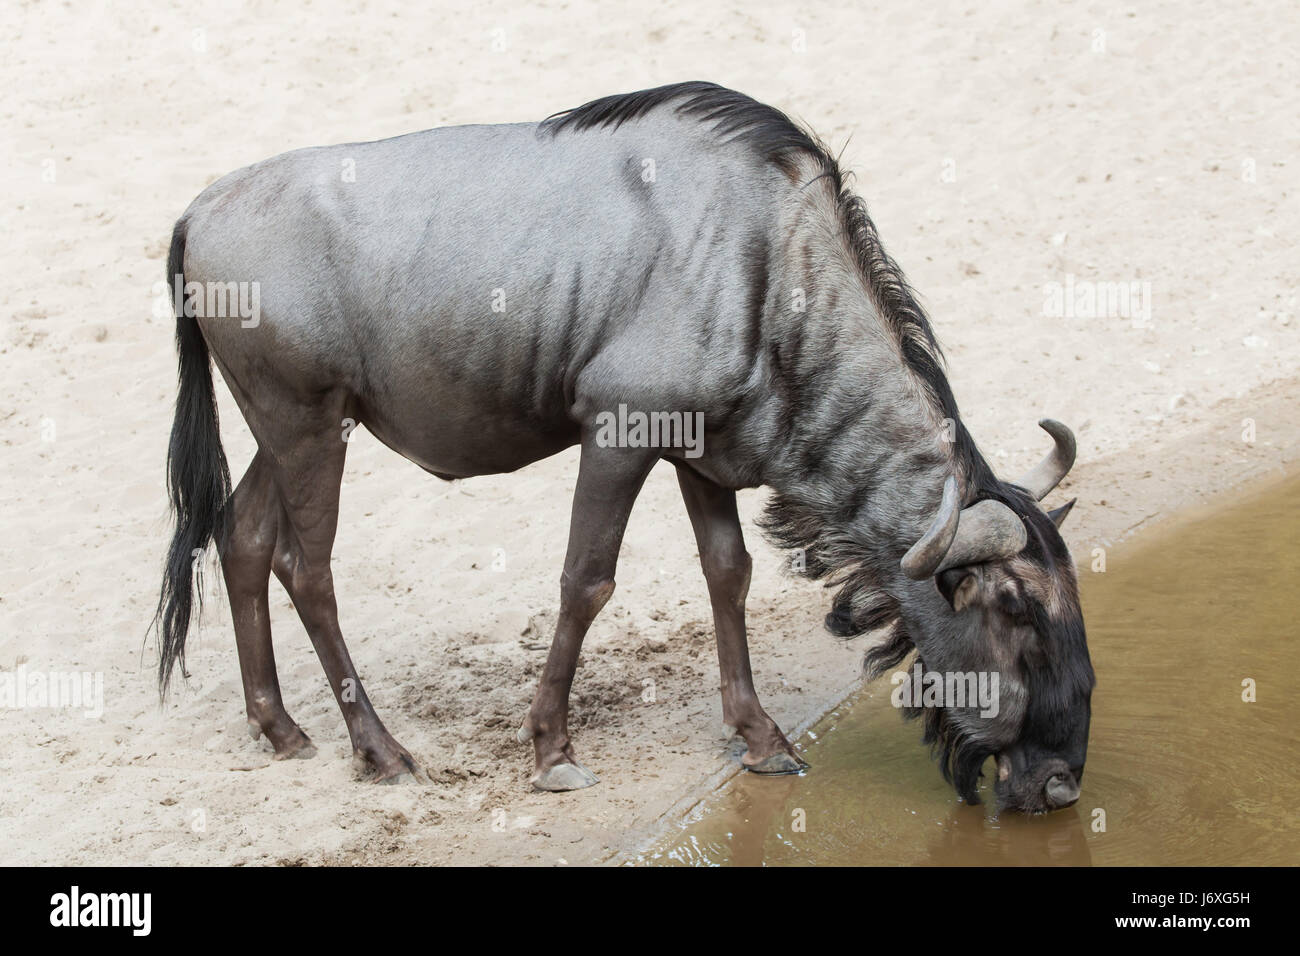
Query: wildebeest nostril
x=1061, y=790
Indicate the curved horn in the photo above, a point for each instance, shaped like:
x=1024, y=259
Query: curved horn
x=984, y=531
x=988, y=530
x=1047, y=474
x=924, y=557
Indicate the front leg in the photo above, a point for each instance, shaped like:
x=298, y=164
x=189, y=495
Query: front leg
x=727, y=567
x=609, y=480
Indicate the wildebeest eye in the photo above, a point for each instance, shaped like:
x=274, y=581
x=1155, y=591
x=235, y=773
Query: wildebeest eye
x=1010, y=604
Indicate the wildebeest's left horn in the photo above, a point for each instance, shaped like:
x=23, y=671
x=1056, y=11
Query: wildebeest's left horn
x=986, y=530
x=1047, y=474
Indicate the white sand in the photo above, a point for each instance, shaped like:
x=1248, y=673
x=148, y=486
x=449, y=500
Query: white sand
x=998, y=151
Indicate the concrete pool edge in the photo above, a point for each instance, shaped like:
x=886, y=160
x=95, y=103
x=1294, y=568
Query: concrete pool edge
x=731, y=767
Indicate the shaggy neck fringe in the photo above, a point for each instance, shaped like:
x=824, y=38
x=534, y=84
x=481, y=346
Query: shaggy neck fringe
x=958, y=756
x=862, y=565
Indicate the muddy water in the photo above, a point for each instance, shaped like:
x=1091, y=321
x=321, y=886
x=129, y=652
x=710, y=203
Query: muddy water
x=1180, y=769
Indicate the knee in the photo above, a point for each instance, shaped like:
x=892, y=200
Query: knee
x=307, y=583
x=312, y=588
x=246, y=559
x=583, y=599
x=728, y=572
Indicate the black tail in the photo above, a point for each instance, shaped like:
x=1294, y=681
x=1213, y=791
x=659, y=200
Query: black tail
x=198, y=479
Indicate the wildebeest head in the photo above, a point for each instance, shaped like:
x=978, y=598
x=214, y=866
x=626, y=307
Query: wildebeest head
x=991, y=590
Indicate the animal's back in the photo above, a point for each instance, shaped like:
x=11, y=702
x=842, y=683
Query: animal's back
x=494, y=269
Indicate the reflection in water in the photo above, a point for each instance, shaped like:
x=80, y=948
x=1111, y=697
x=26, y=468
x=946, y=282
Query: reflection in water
x=1180, y=770
x=966, y=837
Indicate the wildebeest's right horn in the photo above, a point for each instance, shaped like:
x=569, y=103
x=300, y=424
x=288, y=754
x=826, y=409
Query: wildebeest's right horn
x=924, y=557
x=986, y=530
x=1047, y=474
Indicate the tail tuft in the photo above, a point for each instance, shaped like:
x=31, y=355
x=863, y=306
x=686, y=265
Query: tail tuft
x=198, y=480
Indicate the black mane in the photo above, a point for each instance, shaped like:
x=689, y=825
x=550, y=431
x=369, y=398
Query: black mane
x=765, y=129
x=779, y=140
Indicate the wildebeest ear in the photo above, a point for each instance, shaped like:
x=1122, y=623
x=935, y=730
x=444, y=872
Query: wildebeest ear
x=958, y=587
x=1058, y=514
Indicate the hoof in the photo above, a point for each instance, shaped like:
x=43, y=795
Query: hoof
x=411, y=773
x=729, y=733
x=290, y=742
x=304, y=752
x=777, y=764
x=402, y=768
x=565, y=776
x=524, y=734
x=404, y=777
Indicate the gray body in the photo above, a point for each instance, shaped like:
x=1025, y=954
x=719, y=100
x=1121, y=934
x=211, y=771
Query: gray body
x=615, y=289
x=478, y=296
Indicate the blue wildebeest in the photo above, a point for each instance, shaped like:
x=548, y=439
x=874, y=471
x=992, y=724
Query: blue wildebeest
x=480, y=296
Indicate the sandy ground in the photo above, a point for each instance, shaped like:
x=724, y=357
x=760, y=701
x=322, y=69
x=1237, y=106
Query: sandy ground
x=1002, y=147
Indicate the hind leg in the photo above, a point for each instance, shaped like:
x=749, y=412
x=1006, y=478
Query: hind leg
x=246, y=565
x=309, y=454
